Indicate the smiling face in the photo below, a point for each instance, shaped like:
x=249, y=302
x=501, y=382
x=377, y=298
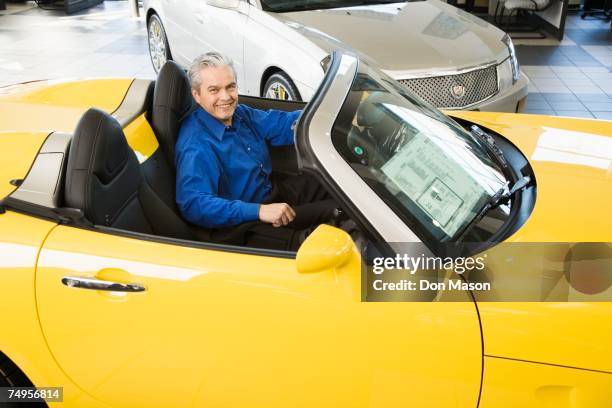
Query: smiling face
x=218, y=93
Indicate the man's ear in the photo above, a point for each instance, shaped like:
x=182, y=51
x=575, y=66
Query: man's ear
x=196, y=95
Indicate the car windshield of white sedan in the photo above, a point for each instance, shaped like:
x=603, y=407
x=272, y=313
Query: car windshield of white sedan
x=435, y=175
x=285, y=6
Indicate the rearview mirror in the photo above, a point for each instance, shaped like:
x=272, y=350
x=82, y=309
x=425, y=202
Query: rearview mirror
x=226, y=4
x=325, y=248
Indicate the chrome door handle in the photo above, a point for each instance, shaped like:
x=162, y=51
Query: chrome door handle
x=95, y=284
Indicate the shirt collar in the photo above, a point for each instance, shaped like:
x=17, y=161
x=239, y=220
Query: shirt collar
x=214, y=125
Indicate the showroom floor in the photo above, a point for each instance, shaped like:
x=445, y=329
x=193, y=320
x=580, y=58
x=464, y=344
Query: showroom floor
x=568, y=78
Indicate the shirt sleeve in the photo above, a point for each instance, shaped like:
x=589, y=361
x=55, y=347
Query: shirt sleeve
x=197, y=186
x=274, y=125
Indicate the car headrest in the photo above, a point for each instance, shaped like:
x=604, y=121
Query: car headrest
x=172, y=101
x=102, y=173
x=370, y=111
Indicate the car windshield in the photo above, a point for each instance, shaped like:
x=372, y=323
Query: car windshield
x=433, y=173
x=282, y=6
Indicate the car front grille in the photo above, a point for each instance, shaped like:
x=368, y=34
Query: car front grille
x=455, y=91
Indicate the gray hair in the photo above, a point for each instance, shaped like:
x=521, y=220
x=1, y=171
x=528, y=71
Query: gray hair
x=210, y=59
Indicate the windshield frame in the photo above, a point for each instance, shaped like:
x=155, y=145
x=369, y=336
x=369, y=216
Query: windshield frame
x=317, y=155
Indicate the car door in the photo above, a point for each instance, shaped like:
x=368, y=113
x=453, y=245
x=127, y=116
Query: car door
x=223, y=328
x=217, y=25
x=137, y=320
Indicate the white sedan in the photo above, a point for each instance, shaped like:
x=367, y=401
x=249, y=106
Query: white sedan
x=448, y=57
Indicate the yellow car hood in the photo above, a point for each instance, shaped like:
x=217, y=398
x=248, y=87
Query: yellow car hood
x=29, y=112
x=572, y=162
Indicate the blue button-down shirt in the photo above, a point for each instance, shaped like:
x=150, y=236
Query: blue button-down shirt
x=223, y=172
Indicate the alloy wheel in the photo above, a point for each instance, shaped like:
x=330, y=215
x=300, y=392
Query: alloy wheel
x=157, y=44
x=276, y=90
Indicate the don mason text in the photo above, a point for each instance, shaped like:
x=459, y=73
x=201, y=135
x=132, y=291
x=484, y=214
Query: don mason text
x=424, y=284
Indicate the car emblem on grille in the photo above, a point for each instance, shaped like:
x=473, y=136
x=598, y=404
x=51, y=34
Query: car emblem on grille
x=458, y=91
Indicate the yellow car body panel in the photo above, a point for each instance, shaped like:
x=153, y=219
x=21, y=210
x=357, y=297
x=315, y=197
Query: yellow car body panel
x=21, y=336
x=141, y=138
x=17, y=152
x=224, y=329
x=30, y=112
x=511, y=384
x=574, y=334
x=571, y=159
x=57, y=106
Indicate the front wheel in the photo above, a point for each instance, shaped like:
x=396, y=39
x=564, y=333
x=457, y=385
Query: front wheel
x=280, y=86
x=11, y=376
x=159, y=50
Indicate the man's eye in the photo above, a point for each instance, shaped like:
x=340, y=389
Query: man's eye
x=213, y=91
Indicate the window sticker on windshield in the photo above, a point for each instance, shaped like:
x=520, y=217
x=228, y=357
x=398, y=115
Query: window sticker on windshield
x=425, y=173
x=439, y=201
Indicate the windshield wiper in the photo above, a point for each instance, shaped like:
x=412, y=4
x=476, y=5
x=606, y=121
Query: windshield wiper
x=491, y=146
x=502, y=196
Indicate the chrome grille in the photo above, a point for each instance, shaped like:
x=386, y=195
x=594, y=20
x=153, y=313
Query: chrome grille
x=478, y=85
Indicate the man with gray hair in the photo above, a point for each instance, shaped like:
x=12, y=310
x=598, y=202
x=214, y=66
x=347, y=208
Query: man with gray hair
x=224, y=166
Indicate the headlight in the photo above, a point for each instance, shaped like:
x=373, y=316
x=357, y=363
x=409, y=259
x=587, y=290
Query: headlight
x=516, y=73
x=325, y=63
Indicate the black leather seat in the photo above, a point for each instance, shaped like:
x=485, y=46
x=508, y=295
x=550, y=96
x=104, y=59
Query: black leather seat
x=105, y=181
x=172, y=101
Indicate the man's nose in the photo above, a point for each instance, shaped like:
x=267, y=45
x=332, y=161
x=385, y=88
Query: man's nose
x=225, y=94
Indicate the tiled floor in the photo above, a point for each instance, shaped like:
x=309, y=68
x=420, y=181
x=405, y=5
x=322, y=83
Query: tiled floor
x=574, y=77
x=570, y=78
x=102, y=41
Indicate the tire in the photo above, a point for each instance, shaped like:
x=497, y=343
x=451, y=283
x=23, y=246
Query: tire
x=11, y=376
x=280, y=86
x=159, y=50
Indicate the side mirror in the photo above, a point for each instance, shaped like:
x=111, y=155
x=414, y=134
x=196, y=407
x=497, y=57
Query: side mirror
x=325, y=248
x=225, y=4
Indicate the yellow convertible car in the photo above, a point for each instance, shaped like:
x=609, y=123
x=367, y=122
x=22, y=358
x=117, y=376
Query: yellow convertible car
x=107, y=292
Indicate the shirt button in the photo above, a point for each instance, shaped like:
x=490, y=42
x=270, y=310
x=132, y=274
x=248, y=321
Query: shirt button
x=248, y=149
x=261, y=166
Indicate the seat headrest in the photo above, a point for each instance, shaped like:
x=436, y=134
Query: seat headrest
x=172, y=101
x=102, y=171
x=370, y=111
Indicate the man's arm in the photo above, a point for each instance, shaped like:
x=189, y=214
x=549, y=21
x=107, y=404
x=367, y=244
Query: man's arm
x=197, y=186
x=274, y=125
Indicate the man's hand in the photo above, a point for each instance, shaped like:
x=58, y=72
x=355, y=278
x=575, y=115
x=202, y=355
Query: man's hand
x=277, y=214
